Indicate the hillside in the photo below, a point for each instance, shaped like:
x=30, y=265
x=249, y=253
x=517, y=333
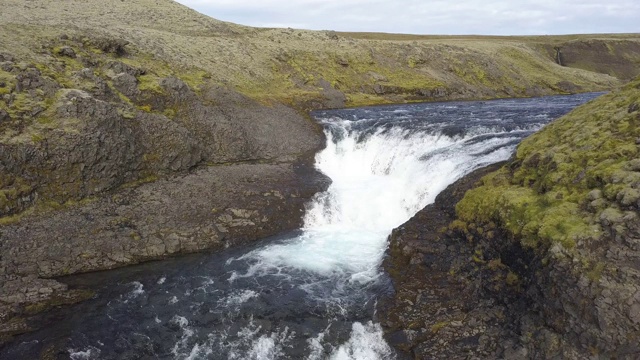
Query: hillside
x=324, y=68
x=542, y=253
x=134, y=130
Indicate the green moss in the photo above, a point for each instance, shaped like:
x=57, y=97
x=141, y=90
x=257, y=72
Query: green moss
x=13, y=219
x=541, y=198
x=145, y=108
x=439, y=326
x=512, y=279
x=170, y=113
x=44, y=120
x=144, y=180
x=127, y=113
x=195, y=78
x=36, y=138
x=23, y=103
x=299, y=72
x=595, y=271
x=360, y=99
x=9, y=80
x=150, y=83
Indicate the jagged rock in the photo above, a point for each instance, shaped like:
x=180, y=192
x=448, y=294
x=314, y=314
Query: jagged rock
x=594, y=194
x=334, y=97
x=332, y=35
x=628, y=197
x=633, y=165
x=634, y=313
x=6, y=57
x=377, y=77
x=174, y=84
x=117, y=67
x=566, y=310
x=167, y=145
x=67, y=51
x=4, y=116
x=126, y=84
x=433, y=93
x=6, y=66
x=110, y=45
x=157, y=219
x=31, y=79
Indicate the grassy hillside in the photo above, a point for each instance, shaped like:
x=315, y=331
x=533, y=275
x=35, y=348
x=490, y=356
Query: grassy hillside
x=323, y=68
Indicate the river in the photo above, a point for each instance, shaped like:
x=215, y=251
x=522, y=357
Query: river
x=311, y=294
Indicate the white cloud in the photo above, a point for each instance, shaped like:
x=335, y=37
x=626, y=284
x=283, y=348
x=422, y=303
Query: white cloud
x=499, y=17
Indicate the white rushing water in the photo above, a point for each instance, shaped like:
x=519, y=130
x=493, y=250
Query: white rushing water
x=378, y=183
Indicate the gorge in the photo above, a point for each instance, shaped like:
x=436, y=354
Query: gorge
x=310, y=295
x=137, y=130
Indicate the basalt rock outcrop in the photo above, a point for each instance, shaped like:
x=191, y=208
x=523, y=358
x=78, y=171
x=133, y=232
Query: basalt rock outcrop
x=538, y=259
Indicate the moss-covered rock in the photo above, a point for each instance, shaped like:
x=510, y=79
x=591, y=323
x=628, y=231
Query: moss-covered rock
x=552, y=191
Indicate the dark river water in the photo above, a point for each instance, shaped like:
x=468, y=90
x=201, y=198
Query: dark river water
x=311, y=294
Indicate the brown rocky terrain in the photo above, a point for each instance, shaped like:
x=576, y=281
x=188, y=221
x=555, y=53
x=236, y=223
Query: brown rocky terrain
x=134, y=130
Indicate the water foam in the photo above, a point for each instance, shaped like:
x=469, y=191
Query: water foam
x=379, y=181
x=366, y=342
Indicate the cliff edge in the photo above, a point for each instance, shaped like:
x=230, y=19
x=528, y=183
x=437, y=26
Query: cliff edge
x=540, y=258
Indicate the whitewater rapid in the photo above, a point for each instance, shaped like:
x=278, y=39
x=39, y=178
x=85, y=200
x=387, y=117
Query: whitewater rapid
x=312, y=294
x=380, y=178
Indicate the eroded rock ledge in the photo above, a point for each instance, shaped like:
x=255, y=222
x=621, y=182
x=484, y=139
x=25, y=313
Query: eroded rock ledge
x=436, y=312
x=211, y=208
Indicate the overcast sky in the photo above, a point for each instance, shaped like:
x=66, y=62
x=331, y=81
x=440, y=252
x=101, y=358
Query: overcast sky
x=487, y=17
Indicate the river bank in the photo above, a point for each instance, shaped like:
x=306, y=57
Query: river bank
x=531, y=260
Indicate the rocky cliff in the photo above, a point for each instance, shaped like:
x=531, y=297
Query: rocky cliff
x=110, y=156
x=540, y=258
x=133, y=130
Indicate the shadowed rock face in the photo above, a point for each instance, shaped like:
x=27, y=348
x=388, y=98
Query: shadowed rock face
x=112, y=130
x=613, y=58
x=210, y=208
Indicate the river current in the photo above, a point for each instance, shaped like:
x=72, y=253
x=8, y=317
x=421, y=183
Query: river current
x=311, y=294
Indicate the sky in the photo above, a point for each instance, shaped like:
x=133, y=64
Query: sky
x=460, y=17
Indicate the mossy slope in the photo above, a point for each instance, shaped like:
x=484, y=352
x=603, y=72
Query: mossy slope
x=571, y=182
x=308, y=68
